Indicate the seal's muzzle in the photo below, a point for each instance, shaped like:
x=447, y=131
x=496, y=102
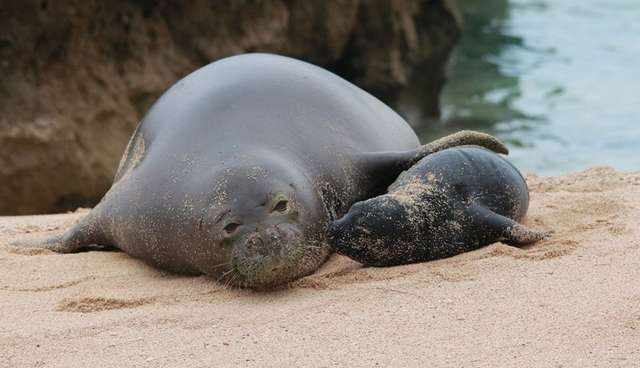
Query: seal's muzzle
x=267, y=256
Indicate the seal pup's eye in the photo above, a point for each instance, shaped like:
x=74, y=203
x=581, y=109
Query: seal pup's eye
x=231, y=227
x=281, y=206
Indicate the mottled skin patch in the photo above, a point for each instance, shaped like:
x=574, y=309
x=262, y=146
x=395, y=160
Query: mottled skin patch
x=450, y=202
x=133, y=154
x=237, y=170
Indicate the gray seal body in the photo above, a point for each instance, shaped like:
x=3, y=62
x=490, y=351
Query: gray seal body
x=238, y=168
x=453, y=201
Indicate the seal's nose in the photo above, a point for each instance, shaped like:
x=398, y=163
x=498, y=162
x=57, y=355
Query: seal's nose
x=339, y=230
x=255, y=244
x=268, y=254
x=272, y=241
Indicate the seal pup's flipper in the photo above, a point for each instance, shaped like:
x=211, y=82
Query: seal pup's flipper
x=80, y=236
x=461, y=138
x=386, y=166
x=507, y=230
x=520, y=235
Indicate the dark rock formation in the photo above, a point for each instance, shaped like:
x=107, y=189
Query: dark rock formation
x=76, y=76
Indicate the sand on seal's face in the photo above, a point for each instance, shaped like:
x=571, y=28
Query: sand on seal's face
x=571, y=301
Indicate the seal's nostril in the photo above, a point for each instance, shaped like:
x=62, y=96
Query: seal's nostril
x=257, y=241
x=254, y=243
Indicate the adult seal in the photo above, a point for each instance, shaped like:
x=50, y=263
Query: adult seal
x=450, y=202
x=237, y=169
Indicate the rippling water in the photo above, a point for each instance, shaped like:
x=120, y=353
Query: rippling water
x=559, y=80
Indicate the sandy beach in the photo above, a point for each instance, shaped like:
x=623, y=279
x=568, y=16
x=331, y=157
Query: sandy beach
x=570, y=301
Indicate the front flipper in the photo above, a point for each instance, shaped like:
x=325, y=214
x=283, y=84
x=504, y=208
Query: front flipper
x=504, y=228
x=82, y=235
x=54, y=243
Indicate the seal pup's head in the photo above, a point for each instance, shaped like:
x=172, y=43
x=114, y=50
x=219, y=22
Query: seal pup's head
x=264, y=223
x=374, y=232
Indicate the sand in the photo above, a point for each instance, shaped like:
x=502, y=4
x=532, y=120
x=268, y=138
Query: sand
x=570, y=301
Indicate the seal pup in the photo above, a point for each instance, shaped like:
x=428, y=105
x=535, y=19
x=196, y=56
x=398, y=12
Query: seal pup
x=450, y=202
x=238, y=168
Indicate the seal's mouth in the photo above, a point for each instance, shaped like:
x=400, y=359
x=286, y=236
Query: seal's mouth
x=271, y=256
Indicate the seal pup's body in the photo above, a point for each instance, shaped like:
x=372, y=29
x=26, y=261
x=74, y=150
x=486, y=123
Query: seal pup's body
x=237, y=169
x=450, y=202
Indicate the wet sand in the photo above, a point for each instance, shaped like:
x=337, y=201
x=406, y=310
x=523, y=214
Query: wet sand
x=570, y=301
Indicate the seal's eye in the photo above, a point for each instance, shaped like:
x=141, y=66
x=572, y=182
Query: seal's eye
x=231, y=227
x=281, y=206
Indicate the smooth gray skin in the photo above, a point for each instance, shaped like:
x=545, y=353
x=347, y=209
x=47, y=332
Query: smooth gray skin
x=274, y=145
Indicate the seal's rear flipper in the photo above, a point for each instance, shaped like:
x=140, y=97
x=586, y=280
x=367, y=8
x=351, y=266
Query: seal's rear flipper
x=507, y=230
x=519, y=235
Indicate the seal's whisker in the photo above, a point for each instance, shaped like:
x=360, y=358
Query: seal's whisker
x=224, y=274
x=220, y=265
x=229, y=282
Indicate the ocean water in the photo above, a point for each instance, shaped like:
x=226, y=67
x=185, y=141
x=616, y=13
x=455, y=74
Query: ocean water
x=558, y=80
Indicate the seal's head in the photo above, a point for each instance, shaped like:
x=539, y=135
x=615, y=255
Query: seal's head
x=264, y=225
x=372, y=231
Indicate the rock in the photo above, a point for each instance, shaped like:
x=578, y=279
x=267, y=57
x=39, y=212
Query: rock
x=76, y=76
x=399, y=51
